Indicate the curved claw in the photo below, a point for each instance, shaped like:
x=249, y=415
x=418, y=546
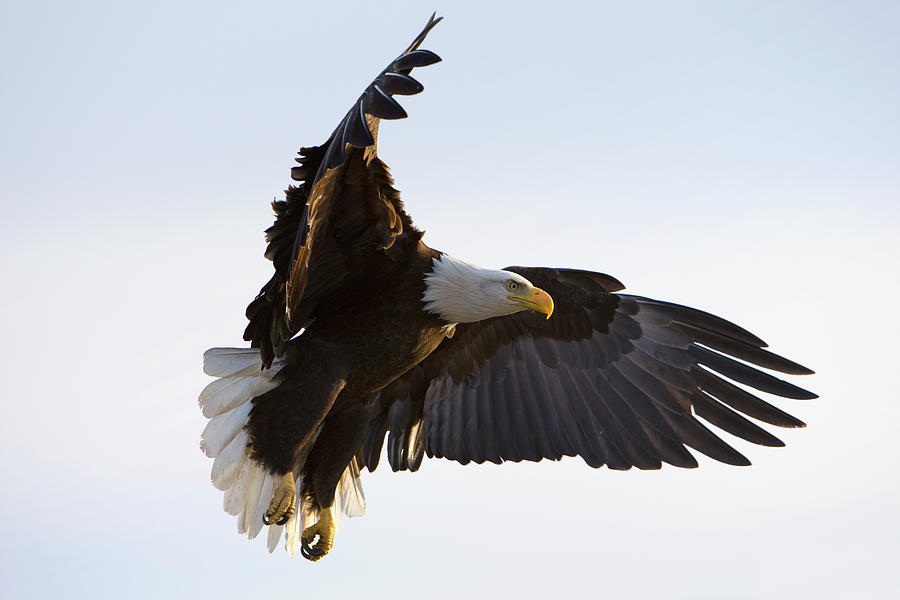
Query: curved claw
x=283, y=502
x=310, y=553
x=318, y=539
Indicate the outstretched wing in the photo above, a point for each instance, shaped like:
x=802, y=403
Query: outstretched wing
x=344, y=207
x=616, y=379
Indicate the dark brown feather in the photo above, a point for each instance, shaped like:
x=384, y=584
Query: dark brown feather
x=344, y=207
x=616, y=379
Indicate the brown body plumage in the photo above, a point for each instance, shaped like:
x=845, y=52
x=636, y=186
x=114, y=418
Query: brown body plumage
x=353, y=349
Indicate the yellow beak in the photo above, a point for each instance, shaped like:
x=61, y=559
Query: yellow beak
x=537, y=300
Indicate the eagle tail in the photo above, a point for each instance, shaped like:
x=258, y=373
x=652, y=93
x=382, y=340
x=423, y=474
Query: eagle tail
x=248, y=487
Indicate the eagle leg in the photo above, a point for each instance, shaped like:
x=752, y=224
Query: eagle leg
x=281, y=508
x=317, y=540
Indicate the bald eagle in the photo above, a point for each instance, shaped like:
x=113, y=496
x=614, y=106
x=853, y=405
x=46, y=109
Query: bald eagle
x=364, y=332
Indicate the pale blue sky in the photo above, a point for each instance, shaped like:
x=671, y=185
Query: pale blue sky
x=740, y=157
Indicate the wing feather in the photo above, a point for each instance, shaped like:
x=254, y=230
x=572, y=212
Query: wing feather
x=344, y=209
x=557, y=414
x=617, y=379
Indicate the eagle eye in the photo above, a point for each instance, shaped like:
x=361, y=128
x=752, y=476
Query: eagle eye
x=512, y=285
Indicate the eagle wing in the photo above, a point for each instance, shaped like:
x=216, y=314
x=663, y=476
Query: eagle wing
x=344, y=207
x=617, y=379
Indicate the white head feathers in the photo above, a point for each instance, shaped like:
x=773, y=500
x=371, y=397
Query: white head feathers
x=458, y=292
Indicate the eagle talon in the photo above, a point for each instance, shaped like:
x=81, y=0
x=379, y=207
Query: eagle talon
x=309, y=552
x=317, y=540
x=281, y=508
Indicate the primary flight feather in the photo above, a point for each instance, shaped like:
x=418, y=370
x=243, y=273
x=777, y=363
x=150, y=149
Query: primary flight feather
x=365, y=333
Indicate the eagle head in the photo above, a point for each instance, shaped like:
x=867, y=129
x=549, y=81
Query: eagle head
x=459, y=292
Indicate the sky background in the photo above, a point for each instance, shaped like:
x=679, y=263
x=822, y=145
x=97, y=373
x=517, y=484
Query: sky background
x=739, y=157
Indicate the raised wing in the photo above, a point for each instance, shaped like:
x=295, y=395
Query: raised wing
x=344, y=206
x=616, y=379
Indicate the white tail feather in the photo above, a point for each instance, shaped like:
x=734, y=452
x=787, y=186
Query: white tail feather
x=248, y=487
x=308, y=517
x=273, y=537
x=262, y=503
x=350, y=493
x=228, y=462
x=225, y=362
x=223, y=428
x=413, y=438
x=292, y=535
x=234, y=496
x=293, y=528
x=225, y=393
x=251, y=498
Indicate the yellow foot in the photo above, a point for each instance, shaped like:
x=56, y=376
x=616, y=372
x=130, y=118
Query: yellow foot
x=318, y=539
x=283, y=498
